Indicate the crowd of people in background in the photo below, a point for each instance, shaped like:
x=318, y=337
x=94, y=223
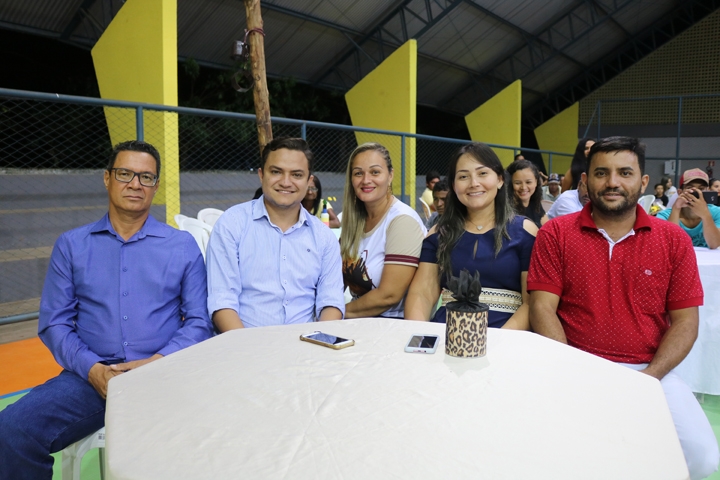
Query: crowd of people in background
x=271, y=261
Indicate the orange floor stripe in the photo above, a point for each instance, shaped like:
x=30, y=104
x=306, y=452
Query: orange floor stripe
x=25, y=364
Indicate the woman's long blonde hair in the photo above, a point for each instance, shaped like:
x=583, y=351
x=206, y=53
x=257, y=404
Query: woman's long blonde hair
x=354, y=213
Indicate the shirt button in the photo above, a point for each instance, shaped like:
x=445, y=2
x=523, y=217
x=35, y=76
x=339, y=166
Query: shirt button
x=124, y=269
x=124, y=294
x=285, y=282
x=125, y=343
x=125, y=317
x=284, y=258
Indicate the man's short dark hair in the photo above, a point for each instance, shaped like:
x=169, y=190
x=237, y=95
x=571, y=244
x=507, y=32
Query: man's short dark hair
x=441, y=186
x=659, y=185
x=432, y=175
x=619, y=144
x=288, y=143
x=135, y=146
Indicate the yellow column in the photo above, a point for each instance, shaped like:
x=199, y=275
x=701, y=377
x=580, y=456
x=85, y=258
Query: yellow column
x=136, y=60
x=386, y=99
x=559, y=134
x=498, y=121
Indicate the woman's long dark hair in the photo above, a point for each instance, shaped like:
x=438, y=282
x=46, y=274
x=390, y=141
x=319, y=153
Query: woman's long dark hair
x=579, y=162
x=535, y=204
x=665, y=180
x=318, y=197
x=451, y=225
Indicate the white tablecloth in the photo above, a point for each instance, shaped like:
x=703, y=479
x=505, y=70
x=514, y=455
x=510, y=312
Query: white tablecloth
x=701, y=368
x=259, y=403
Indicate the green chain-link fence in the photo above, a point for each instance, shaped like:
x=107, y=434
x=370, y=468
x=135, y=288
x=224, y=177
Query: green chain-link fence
x=53, y=150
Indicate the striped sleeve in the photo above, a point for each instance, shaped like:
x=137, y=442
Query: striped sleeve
x=403, y=242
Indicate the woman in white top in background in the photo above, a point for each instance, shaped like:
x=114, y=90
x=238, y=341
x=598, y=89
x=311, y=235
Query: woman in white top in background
x=381, y=237
x=670, y=190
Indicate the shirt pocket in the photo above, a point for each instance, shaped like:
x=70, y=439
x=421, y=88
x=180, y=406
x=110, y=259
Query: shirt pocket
x=306, y=266
x=650, y=288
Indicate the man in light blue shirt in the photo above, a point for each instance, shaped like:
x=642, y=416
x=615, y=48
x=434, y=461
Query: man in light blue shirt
x=692, y=213
x=269, y=261
x=119, y=293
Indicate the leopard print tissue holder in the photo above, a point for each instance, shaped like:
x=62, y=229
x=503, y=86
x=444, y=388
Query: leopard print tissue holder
x=466, y=332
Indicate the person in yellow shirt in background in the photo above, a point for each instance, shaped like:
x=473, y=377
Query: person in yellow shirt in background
x=431, y=179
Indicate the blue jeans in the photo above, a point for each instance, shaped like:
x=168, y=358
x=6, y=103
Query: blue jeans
x=50, y=417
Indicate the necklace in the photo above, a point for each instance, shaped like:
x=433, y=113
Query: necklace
x=479, y=227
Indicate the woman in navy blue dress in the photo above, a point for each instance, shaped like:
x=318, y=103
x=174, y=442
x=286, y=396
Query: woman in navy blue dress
x=478, y=231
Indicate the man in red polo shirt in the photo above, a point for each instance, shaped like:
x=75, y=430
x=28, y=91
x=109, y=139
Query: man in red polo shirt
x=618, y=283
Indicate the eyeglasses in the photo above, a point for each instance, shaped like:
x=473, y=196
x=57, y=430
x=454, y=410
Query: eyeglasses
x=312, y=189
x=124, y=175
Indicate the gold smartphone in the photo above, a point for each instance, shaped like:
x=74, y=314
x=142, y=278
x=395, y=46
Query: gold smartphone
x=327, y=340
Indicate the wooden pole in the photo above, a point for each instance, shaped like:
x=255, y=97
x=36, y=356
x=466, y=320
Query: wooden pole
x=257, y=61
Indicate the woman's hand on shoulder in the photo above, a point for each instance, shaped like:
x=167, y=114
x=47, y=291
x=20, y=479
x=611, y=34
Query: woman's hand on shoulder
x=530, y=227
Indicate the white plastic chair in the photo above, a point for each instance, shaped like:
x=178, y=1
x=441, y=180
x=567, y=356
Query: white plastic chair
x=426, y=208
x=199, y=230
x=646, y=201
x=209, y=215
x=73, y=454
x=546, y=204
x=179, y=219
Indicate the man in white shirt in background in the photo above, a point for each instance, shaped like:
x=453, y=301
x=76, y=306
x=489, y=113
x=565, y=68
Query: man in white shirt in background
x=569, y=202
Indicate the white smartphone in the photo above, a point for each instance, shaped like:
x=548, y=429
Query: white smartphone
x=422, y=344
x=327, y=340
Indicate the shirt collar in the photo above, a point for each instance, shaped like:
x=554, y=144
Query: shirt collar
x=642, y=219
x=151, y=227
x=259, y=211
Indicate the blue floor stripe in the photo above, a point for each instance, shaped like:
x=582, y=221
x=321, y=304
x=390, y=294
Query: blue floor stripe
x=15, y=393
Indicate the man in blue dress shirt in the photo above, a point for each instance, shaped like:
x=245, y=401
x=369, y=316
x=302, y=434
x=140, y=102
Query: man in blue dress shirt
x=119, y=293
x=269, y=261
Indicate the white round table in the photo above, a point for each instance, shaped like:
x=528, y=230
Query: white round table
x=259, y=403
